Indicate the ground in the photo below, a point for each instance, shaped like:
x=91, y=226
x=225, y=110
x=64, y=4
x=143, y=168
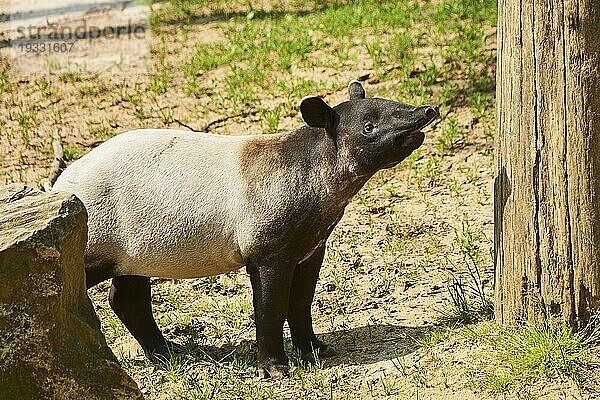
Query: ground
x=405, y=294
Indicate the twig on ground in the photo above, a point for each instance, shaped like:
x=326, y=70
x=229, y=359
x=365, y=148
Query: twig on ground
x=218, y=121
x=58, y=165
x=187, y=126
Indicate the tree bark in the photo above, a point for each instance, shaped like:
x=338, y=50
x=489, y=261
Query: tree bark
x=547, y=185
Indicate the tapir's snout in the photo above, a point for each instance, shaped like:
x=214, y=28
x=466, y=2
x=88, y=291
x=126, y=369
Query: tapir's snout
x=408, y=119
x=419, y=118
x=425, y=115
x=432, y=112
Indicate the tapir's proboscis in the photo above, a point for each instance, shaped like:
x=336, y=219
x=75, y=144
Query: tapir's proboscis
x=178, y=204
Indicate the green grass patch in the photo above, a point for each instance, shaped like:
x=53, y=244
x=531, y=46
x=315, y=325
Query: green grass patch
x=71, y=154
x=271, y=46
x=527, y=353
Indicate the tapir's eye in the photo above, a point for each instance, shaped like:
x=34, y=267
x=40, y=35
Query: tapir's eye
x=369, y=127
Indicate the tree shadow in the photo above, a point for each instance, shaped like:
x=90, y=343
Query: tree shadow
x=483, y=85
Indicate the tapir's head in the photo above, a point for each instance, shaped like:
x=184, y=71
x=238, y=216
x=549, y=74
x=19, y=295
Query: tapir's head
x=374, y=133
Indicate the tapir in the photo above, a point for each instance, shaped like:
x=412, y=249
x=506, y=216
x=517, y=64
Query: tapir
x=180, y=204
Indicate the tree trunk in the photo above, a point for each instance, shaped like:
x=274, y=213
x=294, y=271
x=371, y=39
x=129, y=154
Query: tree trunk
x=547, y=186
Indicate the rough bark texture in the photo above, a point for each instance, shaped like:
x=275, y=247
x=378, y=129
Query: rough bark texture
x=547, y=188
x=51, y=346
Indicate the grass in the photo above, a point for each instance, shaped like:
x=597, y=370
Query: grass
x=267, y=54
x=520, y=361
x=470, y=298
x=528, y=353
x=278, y=43
x=450, y=137
x=271, y=119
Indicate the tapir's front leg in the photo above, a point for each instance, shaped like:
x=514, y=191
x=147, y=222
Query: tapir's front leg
x=270, y=294
x=299, y=316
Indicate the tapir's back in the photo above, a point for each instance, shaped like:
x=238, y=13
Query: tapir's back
x=156, y=198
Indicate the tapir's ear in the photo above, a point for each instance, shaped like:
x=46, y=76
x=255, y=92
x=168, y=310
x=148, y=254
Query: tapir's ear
x=356, y=90
x=316, y=113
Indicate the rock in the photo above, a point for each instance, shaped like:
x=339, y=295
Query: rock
x=51, y=346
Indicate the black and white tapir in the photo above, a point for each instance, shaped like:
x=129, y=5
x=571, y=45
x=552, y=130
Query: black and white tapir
x=178, y=204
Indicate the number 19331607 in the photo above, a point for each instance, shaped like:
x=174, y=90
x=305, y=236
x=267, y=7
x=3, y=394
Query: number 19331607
x=44, y=47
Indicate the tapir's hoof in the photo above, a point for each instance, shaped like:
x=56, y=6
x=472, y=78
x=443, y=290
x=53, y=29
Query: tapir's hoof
x=322, y=351
x=272, y=371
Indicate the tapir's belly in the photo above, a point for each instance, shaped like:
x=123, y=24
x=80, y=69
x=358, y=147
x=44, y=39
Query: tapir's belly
x=171, y=257
x=182, y=265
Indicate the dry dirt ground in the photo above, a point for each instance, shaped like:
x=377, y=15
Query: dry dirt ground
x=411, y=233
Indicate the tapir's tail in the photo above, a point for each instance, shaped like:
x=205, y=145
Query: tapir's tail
x=57, y=167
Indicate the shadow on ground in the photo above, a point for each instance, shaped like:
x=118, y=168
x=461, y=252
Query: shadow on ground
x=364, y=345
x=373, y=343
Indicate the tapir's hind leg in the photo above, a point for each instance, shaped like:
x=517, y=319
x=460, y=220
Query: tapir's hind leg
x=97, y=271
x=299, y=314
x=130, y=299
